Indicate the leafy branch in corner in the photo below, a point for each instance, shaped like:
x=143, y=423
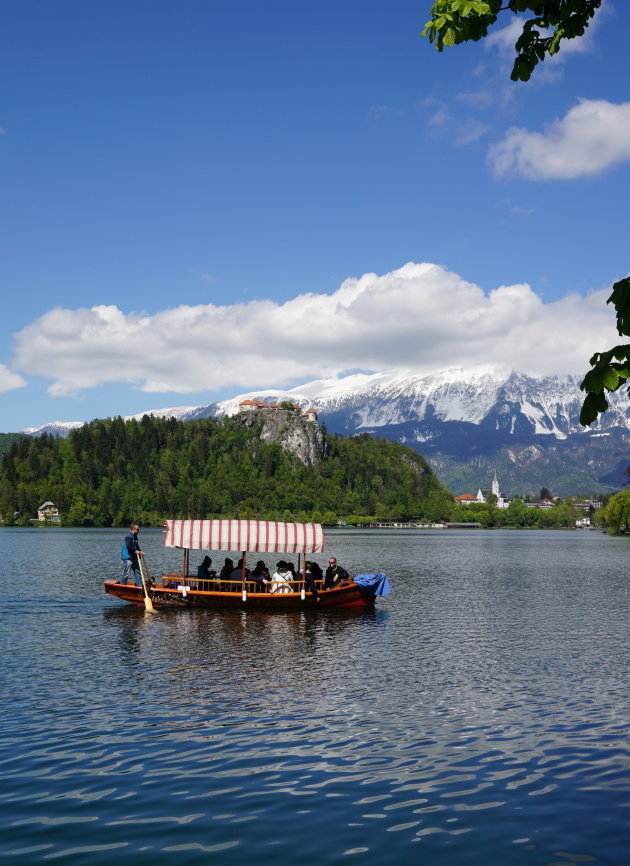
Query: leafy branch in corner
x=611, y=369
x=456, y=21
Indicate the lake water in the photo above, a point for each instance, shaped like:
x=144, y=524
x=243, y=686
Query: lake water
x=479, y=716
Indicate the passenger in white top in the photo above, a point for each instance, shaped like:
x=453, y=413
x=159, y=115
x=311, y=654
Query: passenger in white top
x=280, y=580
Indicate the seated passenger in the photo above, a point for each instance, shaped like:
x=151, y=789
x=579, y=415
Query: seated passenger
x=335, y=574
x=280, y=580
x=313, y=574
x=225, y=573
x=260, y=575
x=236, y=576
x=204, y=572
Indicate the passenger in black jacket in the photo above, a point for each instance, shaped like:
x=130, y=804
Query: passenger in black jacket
x=313, y=573
x=334, y=574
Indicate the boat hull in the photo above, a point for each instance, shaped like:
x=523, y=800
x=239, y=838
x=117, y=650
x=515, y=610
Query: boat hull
x=347, y=597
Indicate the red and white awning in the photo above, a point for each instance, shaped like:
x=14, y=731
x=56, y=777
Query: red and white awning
x=245, y=535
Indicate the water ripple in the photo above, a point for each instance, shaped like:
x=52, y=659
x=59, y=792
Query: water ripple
x=479, y=716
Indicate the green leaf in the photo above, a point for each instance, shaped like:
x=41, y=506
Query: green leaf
x=588, y=413
x=620, y=298
x=449, y=37
x=611, y=379
x=594, y=380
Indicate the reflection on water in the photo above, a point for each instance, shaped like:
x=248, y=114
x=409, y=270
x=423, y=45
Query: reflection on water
x=479, y=714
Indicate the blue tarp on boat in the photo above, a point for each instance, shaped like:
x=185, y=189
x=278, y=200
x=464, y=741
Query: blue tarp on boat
x=377, y=584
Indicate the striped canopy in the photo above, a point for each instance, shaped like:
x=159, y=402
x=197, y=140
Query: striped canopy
x=245, y=535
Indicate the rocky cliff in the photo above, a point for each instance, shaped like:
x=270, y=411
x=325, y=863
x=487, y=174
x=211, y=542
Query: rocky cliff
x=295, y=434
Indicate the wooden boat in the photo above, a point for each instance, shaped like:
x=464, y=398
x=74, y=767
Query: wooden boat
x=187, y=591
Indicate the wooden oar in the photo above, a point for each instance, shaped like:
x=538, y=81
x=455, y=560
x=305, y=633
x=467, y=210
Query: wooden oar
x=148, y=604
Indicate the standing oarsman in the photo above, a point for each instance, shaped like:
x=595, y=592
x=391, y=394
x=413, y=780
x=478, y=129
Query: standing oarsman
x=129, y=555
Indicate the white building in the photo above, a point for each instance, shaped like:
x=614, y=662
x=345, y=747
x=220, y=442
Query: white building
x=48, y=511
x=483, y=493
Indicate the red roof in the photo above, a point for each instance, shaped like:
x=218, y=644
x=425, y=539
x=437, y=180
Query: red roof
x=468, y=497
x=258, y=403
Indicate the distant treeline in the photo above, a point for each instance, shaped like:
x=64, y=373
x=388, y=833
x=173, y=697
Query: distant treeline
x=112, y=471
x=563, y=514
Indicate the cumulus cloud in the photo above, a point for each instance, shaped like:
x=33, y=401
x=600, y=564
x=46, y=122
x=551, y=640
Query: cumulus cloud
x=420, y=317
x=9, y=381
x=592, y=137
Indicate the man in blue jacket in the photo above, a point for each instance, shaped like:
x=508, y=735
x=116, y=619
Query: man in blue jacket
x=129, y=555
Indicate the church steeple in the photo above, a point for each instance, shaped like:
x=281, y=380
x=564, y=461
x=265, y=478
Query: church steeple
x=495, y=485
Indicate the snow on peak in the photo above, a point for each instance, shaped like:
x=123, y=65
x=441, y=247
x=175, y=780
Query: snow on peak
x=55, y=427
x=178, y=412
x=509, y=400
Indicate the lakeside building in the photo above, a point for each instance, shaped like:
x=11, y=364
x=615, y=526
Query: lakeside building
x=48, y=511
x=465, y=499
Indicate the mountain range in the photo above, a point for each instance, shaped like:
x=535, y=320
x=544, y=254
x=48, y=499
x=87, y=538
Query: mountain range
x=468, y=423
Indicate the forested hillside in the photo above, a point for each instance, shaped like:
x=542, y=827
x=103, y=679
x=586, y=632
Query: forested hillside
x=111, y=471
x=8, y=439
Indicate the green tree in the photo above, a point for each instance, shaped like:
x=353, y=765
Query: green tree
x=551, y=21
x=616, y=512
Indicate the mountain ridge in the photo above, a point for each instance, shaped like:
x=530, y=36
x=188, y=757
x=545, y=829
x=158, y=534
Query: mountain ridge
x=467, y=422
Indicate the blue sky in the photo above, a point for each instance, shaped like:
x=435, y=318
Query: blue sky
x=203, y=198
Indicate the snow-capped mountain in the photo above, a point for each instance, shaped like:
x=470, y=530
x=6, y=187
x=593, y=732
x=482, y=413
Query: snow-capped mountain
x=64, y=428
x=467, y=422
x=507, y=401
x=54, y=428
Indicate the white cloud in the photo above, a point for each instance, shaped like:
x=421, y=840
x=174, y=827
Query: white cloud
x=439, y=114
x=470, y=130
x=592, y=137
x=505, y=38
x=9, y=381
x=420, y=317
